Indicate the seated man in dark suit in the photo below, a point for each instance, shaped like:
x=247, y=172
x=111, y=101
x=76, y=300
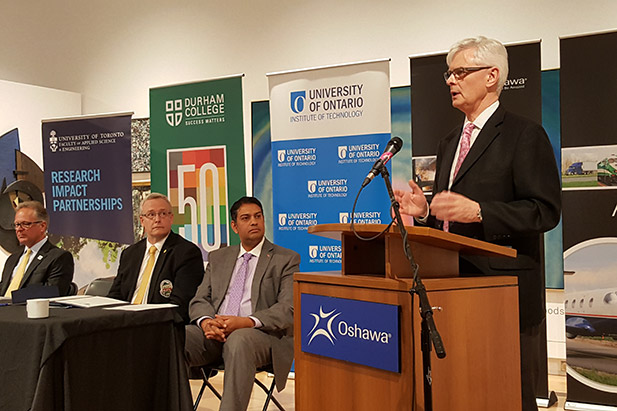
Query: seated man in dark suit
x=242, y=314
x=161, y=268
x=39, y=262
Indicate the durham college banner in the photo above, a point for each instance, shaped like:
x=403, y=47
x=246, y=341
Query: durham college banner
x=197, y=152
x=329, y=125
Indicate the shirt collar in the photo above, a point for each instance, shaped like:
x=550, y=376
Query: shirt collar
x=481, y=120
x=255, y=251
x=36, y=247
x=158, y=244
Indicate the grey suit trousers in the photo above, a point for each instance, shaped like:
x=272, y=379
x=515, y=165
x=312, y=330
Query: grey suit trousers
x=244, y=351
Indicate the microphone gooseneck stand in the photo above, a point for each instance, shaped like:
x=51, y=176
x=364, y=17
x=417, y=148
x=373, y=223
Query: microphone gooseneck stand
x=429, y=331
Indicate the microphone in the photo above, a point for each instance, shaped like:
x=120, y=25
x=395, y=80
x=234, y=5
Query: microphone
x=393, y=147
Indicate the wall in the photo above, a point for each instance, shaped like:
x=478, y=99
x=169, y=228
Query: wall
x=113, y=51
x=23, y=107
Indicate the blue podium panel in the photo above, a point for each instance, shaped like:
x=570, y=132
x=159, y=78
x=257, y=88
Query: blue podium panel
x=357, y=331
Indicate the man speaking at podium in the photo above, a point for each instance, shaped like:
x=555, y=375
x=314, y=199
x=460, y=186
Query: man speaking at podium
x=496, y=180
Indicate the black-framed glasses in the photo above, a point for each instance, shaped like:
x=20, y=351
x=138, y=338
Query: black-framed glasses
x=152, y=215
x=461, y=72
x=25, y=224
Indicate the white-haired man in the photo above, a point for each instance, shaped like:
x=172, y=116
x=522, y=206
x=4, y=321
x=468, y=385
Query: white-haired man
x=496, y=180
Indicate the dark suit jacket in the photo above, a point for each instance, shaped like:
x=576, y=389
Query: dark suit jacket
x=511, y=171
x=271, y=297
x=51, y=266
x=179, y=265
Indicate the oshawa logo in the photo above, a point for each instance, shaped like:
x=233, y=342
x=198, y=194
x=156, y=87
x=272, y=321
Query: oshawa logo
x=323, y=325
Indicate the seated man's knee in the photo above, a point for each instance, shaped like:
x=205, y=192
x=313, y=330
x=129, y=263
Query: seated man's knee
x=239, y=340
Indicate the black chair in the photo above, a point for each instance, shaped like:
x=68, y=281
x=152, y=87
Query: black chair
x=99, y=287
x=208, y=372
x=73, y=289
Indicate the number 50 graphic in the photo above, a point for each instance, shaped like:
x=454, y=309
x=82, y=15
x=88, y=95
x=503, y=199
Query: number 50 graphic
x=197, y=186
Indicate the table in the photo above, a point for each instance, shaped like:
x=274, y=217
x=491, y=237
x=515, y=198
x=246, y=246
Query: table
x=92, y=359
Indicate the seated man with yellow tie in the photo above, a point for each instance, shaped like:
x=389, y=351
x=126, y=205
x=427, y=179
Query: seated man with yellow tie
x=161, y=268
x=39, y=261
x=242, y=314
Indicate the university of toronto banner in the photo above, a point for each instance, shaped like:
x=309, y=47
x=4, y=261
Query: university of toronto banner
x=589, y=180
x=87, y=166
x=197, y=156
x=329, y=125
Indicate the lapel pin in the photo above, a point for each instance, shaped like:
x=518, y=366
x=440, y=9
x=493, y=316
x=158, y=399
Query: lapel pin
x=40, y=257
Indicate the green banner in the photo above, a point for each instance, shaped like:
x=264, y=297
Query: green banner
x=197, y=156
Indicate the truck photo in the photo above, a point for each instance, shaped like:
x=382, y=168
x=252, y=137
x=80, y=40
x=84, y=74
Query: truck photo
x=581, y=168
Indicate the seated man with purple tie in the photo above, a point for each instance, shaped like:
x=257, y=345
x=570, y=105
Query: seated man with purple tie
x=242, y=314
x=39, y=261
x=161, y=268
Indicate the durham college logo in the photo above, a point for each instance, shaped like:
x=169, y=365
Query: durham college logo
x=326, y=320
x=173, y=112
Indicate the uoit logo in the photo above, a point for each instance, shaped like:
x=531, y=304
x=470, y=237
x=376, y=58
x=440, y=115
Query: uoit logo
x=297, y=101
x=313, y=249
x=342, y=152
x=173, y=112
x=282, y=219
x=53, y=141
x=280, y=155
x=343, y=218
x=325, y=328
x=312, y=186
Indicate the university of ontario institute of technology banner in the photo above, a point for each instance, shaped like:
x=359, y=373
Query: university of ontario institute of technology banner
x=197, y=156
x=329, y=125
x=87, y=166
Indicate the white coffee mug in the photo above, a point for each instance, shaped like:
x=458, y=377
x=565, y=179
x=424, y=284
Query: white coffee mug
x=37, y=308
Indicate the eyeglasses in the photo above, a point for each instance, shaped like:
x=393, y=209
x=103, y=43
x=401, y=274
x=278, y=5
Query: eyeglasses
x=25, y=224
x=461, y=72
x=162, y=214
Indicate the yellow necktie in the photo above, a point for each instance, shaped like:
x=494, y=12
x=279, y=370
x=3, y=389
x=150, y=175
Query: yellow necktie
x=19, y=274
x=146, y=276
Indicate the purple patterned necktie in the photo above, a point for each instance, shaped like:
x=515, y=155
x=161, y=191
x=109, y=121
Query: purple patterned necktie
x=236, y=288
x=465, y=145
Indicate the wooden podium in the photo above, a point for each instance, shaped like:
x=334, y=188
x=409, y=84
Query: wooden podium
x=477, y=318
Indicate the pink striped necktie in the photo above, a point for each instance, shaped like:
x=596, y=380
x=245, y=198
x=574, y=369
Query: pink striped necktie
x=465, y=145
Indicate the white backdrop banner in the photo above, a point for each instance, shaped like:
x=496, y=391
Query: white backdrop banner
x=329, y=125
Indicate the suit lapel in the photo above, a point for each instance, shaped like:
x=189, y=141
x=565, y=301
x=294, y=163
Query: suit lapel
x=136, y=264
x=158, y=267
x=38, y=258
x=448, y=159
x=264, y=260
x=10, y=265
x=489, y=132
x=220, y=285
